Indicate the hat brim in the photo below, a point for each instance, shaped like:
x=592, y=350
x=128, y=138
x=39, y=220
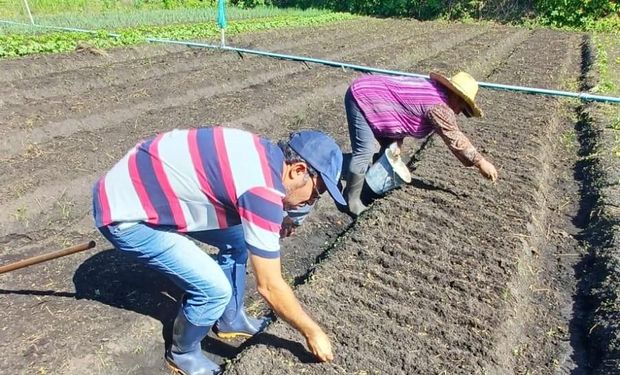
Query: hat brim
x=474, y=110
x=332, y=188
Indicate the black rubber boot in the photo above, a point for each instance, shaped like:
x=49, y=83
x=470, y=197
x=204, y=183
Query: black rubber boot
x=353, y=193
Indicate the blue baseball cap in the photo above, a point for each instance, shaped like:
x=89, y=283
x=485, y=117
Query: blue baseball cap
x=323, y=154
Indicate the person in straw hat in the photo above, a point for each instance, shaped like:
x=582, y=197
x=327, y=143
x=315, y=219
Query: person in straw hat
x=387, y=109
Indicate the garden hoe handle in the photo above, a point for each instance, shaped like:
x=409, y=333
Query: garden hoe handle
x=45, y=257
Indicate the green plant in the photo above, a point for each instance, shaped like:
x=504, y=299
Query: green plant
x=569, y=139
x=582, y=14
x=21, y=215
x=615, y=124
x=574, y=13
x=13, y=45
x=250, y=3
x=605, y=85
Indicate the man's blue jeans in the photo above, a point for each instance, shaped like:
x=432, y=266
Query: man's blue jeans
x=207, y=291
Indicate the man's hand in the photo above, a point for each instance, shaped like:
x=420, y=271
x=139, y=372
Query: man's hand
x=288, y=227
x=487, y=170
x=319, y=345
x=279, y=295
x=397, y=149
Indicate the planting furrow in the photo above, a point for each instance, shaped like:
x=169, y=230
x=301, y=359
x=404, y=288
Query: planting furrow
x=538, y=292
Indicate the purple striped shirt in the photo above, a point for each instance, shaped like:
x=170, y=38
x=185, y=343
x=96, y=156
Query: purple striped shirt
x=396, y=107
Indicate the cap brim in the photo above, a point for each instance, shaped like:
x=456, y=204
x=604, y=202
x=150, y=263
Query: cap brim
x=332, y=188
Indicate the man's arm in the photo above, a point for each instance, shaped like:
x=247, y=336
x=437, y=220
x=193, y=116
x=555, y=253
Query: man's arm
x=282, y=300
x=260, y=210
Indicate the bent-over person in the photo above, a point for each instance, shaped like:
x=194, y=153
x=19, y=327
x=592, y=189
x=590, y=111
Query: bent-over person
x=230, y=189
x=386, y=109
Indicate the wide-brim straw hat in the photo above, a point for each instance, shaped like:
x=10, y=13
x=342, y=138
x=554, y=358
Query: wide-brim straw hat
x=463, y=85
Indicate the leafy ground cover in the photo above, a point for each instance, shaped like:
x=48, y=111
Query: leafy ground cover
x=135, y=20
x=21, y=44
x=118, y=18
x=16, y=8
x=608, y=68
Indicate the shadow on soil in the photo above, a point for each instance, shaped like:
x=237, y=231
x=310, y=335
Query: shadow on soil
x=594, y=331
x=578, y=325
x=27, y=292
x=116, y=280
x=590, y=346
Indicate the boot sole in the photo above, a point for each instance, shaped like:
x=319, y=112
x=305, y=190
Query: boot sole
x=175, y=370
x=232, y=335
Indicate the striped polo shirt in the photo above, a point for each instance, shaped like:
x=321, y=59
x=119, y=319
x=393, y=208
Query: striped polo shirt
x=198, y=179
x=396, y=107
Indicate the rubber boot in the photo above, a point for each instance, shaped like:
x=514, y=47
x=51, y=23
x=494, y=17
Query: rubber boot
x=234, y=322
x=353, y=193
x=185, y=354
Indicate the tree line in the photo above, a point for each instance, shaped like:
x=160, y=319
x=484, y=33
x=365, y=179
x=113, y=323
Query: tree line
x=574, y=13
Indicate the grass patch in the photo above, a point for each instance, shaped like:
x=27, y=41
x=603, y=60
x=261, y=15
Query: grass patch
x=606, y=84
x=615, y=124
x=21, y=44
x=113, y=19
x=569, y=139
x=615, y=127
x=610, y=24
x=16, y=8
x=607, y=65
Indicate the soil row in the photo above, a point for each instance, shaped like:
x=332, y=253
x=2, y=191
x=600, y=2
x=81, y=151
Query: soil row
x=438, y=277
x=601, y=269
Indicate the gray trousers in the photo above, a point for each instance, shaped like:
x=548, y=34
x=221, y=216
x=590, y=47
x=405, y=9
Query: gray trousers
x=364, y=144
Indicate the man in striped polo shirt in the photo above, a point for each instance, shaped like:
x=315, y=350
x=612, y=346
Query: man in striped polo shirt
x=227, y=188
x=387, y=109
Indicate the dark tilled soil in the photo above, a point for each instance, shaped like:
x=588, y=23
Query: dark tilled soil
x=449, y=275
x=459, y=276
x=600, y=171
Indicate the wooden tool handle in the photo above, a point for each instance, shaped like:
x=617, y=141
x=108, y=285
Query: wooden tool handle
x=45, y=257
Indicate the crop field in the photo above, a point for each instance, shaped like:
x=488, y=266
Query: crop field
x=451, y=274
